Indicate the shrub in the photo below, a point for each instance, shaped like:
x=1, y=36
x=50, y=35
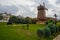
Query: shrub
x=46, y=22
x=59, y=28
x=47, y=32
x=49, y=21
x=9, y=22
x=27, y=26
x=23, y=26
x=53, y=28
x=49, y=25
x=40, y=33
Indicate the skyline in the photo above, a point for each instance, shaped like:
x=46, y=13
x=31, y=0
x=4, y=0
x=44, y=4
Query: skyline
x=29, y=7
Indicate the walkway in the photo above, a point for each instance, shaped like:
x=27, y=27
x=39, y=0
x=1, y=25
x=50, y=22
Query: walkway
x=57, y=38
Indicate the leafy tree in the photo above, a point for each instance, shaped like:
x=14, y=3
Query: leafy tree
x=9, y=22
x=15, y=19
x=55, y=18
x=28, y=20
x=55, y=15
x=1, y=17
x=34, y=21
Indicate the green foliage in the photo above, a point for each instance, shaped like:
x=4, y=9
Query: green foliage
x=17, y=33
x=49, y=25
x=9, y=22
x=40, y=33
x=27, y=25
x=53, y=28
x=13, y=19
x=1, y=17
x=59, y=28
x=16, y=20
x=50, y=29
x=26, y=20
x=47, y=32
x=49, y=22
x=58, y=23
x=34, y=21
x=55, y=15
x=46, y=22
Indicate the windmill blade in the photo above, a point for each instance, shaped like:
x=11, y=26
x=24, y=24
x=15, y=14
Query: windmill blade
x=46, y=9
x=44, y=4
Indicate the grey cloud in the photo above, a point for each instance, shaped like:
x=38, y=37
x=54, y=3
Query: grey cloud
x=57, y=1
x=58, y=14
x=9, y=9
x=26, y=11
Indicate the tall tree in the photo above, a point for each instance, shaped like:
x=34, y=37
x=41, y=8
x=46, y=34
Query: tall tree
x=55, y=18
x=1, y=17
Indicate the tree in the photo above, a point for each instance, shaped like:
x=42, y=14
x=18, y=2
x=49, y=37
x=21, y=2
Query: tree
x=1, y=17
x=15, y=19
x=34, y=21
x=28, y=20
x=55, y=18
x=9, y=22
x=55, y=15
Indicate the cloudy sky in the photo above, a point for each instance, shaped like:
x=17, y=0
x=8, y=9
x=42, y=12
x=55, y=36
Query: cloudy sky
x=29, y=7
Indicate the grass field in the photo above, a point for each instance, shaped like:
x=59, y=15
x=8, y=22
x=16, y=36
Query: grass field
x=16, y=32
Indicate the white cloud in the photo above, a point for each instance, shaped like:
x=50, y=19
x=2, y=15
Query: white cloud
x=16, y=2
x=29, y=7
x=52, y=1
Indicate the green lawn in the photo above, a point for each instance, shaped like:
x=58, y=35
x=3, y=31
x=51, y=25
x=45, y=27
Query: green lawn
x=16, y=32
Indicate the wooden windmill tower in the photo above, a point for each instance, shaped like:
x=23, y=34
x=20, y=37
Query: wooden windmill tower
x=41, y=12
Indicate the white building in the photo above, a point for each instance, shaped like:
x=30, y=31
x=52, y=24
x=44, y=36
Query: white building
x=5, y=17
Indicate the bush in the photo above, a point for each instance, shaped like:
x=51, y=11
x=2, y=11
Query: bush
x=59, y=28
x=23, y=26
x=27, y=25
x=53, y=28
x=47, y=32
x=40, y=33
x=46, y=22
x=49, y=21
x=49, y=25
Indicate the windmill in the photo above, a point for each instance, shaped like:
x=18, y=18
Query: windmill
x=41, y=12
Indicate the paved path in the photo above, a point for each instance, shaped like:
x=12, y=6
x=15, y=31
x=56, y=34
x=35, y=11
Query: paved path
x=57, y=38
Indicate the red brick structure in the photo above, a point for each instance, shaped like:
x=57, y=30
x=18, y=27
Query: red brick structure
x=41, y=16
x=41, y=12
